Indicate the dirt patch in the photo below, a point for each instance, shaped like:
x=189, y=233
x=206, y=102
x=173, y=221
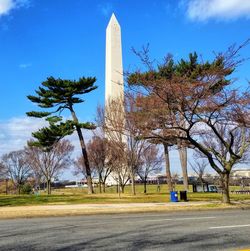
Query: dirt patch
x=87, y=209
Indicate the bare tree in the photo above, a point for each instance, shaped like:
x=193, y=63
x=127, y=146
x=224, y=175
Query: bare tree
x=167, y=145
x=16, y=168
x=120, y=168
x=79, y=168
x=197, y=104
x=2, y=169
x=110, y=123
x=175, y=179
x=135, y=144
x=38, y=178
x=199, y=167
x=151, y=163
x=100, y=159
x=125, y=135
x=50, y=163
x=114, y=128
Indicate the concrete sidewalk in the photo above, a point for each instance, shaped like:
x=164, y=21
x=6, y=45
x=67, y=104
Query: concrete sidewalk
x=83, y=209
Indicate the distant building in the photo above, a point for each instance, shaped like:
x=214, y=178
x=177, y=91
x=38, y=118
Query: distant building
x=111, y=180
x=241, y=173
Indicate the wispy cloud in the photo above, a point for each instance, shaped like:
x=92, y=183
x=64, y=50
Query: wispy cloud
x=16, y=131
x=106, y=9
x=203, y=10
x=24, y=66
x=6, y=6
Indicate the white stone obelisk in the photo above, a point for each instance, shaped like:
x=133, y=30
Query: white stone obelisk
x=114, y=84
x=114, y=89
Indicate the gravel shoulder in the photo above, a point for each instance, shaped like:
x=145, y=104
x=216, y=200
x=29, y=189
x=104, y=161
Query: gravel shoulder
x=88, y=209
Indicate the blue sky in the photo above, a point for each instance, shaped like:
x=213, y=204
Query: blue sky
x=66, y=39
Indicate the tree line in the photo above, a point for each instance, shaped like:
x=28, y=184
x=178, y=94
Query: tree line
x=34, y=166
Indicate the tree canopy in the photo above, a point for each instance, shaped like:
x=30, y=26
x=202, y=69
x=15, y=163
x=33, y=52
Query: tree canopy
x=195, y=101
x=55, y=96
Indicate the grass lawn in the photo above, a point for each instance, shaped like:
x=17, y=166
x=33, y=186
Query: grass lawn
x=79, y=195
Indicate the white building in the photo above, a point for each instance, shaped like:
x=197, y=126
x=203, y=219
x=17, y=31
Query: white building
x=242, y=173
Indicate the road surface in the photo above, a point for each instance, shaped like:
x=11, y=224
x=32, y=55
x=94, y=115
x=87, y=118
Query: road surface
x=204, y=230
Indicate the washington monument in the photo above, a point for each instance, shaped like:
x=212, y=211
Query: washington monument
x=114, y=84
x=114, y=88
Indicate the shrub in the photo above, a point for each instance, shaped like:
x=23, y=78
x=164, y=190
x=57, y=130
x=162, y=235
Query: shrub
x=26, y=189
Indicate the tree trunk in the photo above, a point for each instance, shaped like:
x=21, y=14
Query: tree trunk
x=168, y=171
x=202, y=184
x=119, y=187
x=100, y=185
x=6, y=187
x=84, y=153
x=123, y=188
x=183, y=159
x=103, y=187
x=86, y=161
x=145, y=186
x=225, y=187
x=132, y=184
x=48, y=186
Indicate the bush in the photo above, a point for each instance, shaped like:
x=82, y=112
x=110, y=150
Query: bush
x=26, y=189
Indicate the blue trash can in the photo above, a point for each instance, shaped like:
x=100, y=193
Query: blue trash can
x=174, y=196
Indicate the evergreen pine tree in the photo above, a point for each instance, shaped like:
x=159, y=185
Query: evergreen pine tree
x=57, y=95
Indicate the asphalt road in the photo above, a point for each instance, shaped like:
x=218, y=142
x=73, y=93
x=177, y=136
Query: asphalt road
x=204, y=230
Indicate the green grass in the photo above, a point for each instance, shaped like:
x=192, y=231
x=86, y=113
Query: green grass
x=78, y=196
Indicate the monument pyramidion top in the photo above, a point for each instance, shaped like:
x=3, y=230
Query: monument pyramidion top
x=113, y=21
